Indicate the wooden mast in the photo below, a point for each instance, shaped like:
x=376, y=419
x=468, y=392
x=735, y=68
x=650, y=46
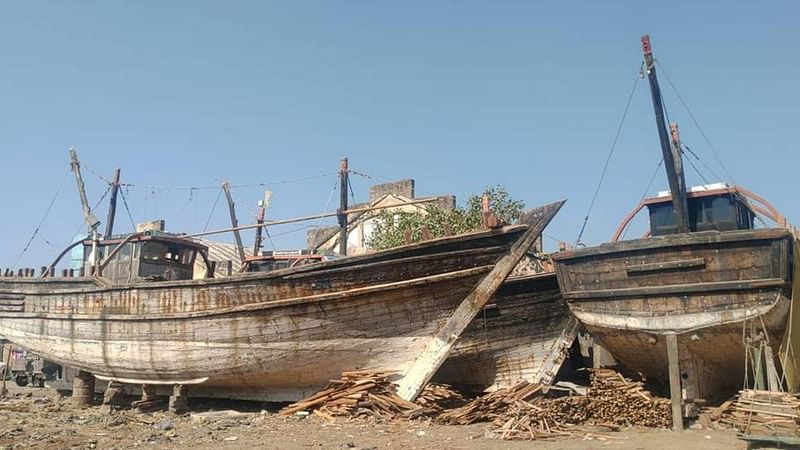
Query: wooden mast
x=262, y=212
x=234, y=222
x=112, y=205
x=91, y=221
x=344, y=186
x=672, y=155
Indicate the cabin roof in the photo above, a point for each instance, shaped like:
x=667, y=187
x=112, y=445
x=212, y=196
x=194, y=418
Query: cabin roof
x=172, y=239
x=696, y=192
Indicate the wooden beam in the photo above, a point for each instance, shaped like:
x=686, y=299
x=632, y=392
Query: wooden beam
x=773, y=380
x=675, y=393
x=439, y=346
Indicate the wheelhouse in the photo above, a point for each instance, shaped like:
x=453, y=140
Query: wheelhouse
x=710, y=209
x=149, y=256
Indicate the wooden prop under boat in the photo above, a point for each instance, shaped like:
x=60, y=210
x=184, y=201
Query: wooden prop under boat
x=678, y=304
x=278, y=335
x=523, y=334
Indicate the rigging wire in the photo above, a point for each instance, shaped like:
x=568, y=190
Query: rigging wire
x=646, y=190
x=260, y=184
x=327, y=204
x=608, y=159
x=696, y=123
x=41, y=222
x=125, y=202
x=211, y=213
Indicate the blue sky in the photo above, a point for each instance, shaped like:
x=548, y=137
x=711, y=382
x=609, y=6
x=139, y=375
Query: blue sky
x=457, y=95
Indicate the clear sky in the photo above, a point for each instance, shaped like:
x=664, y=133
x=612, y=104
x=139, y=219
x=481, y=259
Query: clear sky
x=457, y=95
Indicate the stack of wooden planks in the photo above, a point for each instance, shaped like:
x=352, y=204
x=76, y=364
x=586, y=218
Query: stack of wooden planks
x=370, y=393
x=492, y=405
x=614, y=399
x=524, y=412
x=761, y=413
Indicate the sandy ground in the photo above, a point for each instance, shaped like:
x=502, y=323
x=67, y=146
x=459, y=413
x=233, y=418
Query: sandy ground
x=40, y=418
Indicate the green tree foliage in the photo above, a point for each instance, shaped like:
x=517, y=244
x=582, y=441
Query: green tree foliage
x=392, y=227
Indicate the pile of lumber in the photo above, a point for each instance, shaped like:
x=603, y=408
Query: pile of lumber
x=761, y=413
x=614, y=399
x=524, y=412
x=492, y=405
x=370, y=393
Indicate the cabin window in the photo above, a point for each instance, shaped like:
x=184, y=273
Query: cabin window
x=720, y=212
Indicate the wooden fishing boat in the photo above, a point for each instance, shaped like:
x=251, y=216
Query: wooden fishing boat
x=678, y=304
x=277, y=335
x=524, y=333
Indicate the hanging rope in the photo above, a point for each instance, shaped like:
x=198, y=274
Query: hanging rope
x=608, y=159
x=41, y=222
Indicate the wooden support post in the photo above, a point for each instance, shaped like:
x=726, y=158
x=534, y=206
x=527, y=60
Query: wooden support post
x=344, y=187
x=675, y=393
x=773, y=380
x=178, y=401
x=234, y=222
x=148, y=392
x=83, y=389
x=439, y=346
x=4, y=391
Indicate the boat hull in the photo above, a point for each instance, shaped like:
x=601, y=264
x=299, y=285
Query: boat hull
x=273, y=336
x=710, y=289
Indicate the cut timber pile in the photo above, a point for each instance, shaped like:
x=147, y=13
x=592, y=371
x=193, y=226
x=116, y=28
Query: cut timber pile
x=761, y=412
x=371, y=393
x=614, y=399
x=523, y=412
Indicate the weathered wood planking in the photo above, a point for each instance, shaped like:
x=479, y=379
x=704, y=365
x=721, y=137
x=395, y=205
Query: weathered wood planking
x=279, y=334
x=441, y=343
x=521, y=335
x=700, y=286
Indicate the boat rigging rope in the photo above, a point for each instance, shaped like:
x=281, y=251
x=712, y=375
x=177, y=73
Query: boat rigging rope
x=211, y=213
x=694, y=120
x=41, y=222
x=608, y=159
x=260, y=184
x=125, y=202
x=646, y=190
x=313, y=241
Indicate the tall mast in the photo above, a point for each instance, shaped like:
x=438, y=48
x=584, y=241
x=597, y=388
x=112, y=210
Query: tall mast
x=91, y=221
x=342, y=213
x=112, y=205
x=671, y=153
x=234, y=222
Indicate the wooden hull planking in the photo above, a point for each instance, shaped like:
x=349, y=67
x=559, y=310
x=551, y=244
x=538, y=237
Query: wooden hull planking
x=708, y=288
x=277, y=335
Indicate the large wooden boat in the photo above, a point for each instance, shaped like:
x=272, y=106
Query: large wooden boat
x=277, y=335
x=679, y=303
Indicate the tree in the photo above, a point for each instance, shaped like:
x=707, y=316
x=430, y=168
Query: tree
x=393, y=228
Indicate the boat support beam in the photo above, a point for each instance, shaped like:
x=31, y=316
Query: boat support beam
x=675, y=394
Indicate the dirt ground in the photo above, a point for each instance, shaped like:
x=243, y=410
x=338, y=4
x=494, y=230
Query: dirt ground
x=41, y=419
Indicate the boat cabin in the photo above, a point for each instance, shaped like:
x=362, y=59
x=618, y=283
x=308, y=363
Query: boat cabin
x=150, y=256
x=711, y=207
x=274, y=260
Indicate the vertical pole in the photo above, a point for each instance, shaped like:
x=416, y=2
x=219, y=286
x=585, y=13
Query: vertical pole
x=91, y=221
x=672, y=162
x=234, y=223
x=112, y=204
x=344, y=186
x=262, y=212
x=675, y=393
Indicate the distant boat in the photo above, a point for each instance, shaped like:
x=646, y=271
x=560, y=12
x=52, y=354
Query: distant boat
x=702, y=280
